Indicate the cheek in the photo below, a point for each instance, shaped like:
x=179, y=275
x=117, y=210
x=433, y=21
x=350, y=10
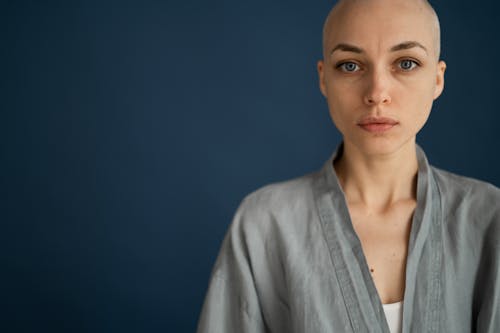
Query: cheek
x=420, y=104
x=420, y=95
x=342, y=105
x=343, y=97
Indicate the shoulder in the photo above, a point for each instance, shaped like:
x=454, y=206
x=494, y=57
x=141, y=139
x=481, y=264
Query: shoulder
x=276, y=206
x=281, y=195
x=457, y=186
x=268, y=220
x=469, y=200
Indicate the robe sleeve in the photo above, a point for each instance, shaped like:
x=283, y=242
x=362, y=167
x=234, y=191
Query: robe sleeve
x=232, y=303
x=488, y=319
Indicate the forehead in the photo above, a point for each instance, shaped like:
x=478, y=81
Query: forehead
x=376, y=25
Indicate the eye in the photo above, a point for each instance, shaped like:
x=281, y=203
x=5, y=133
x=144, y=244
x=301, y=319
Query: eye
x=408, y=64
x=348, y=67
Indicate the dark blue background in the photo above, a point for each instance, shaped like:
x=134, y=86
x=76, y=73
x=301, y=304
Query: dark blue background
x=131, y=130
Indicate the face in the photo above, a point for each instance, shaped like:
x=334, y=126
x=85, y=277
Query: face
x=380, y=73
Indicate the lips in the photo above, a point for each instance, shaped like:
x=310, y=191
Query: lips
x=377, y=124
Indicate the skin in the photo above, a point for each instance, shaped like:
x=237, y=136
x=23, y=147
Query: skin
x=380, y=60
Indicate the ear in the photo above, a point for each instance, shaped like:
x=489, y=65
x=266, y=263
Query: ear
x=321, y=76
x=441, y=67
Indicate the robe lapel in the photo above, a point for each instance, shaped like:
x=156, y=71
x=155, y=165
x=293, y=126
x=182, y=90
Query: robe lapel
x=422, y=294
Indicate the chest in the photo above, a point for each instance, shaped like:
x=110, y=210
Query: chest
x=384, y=238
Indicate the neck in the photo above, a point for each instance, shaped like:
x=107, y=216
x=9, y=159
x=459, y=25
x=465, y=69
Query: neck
x=378, y=181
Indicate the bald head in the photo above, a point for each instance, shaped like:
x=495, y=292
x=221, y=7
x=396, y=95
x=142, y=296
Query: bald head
x=345, y=10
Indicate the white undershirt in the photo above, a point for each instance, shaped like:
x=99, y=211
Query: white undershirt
x=394, y=315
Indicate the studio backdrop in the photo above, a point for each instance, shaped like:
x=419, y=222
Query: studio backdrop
x=131, y=131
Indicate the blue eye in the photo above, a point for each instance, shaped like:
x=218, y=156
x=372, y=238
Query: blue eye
x=407, y=64
x=348, y=67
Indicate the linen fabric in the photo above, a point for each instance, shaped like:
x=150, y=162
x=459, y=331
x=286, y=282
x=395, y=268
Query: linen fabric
x=292, y=262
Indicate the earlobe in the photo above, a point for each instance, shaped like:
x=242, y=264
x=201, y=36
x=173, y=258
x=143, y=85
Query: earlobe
x=441, y=68
x=321, y=77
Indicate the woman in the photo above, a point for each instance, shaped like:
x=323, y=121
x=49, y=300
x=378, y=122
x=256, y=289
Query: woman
x=378, y=240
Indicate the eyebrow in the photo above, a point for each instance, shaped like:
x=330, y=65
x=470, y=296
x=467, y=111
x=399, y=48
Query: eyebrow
x=401, y=46
x=407, y=45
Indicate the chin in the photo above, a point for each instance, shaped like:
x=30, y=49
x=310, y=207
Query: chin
x=379, y=145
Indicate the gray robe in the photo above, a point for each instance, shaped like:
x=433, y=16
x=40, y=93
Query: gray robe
x=292, y=262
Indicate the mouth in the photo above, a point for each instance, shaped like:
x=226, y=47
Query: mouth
x=377, y=124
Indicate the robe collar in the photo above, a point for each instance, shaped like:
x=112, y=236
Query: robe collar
x=422, y=296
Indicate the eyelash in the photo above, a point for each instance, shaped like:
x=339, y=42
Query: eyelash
x=415, y=64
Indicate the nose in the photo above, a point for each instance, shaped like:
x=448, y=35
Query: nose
x=377, y=89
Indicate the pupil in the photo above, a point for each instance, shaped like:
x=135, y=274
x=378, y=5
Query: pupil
x=406, y=64
x=350, y=66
